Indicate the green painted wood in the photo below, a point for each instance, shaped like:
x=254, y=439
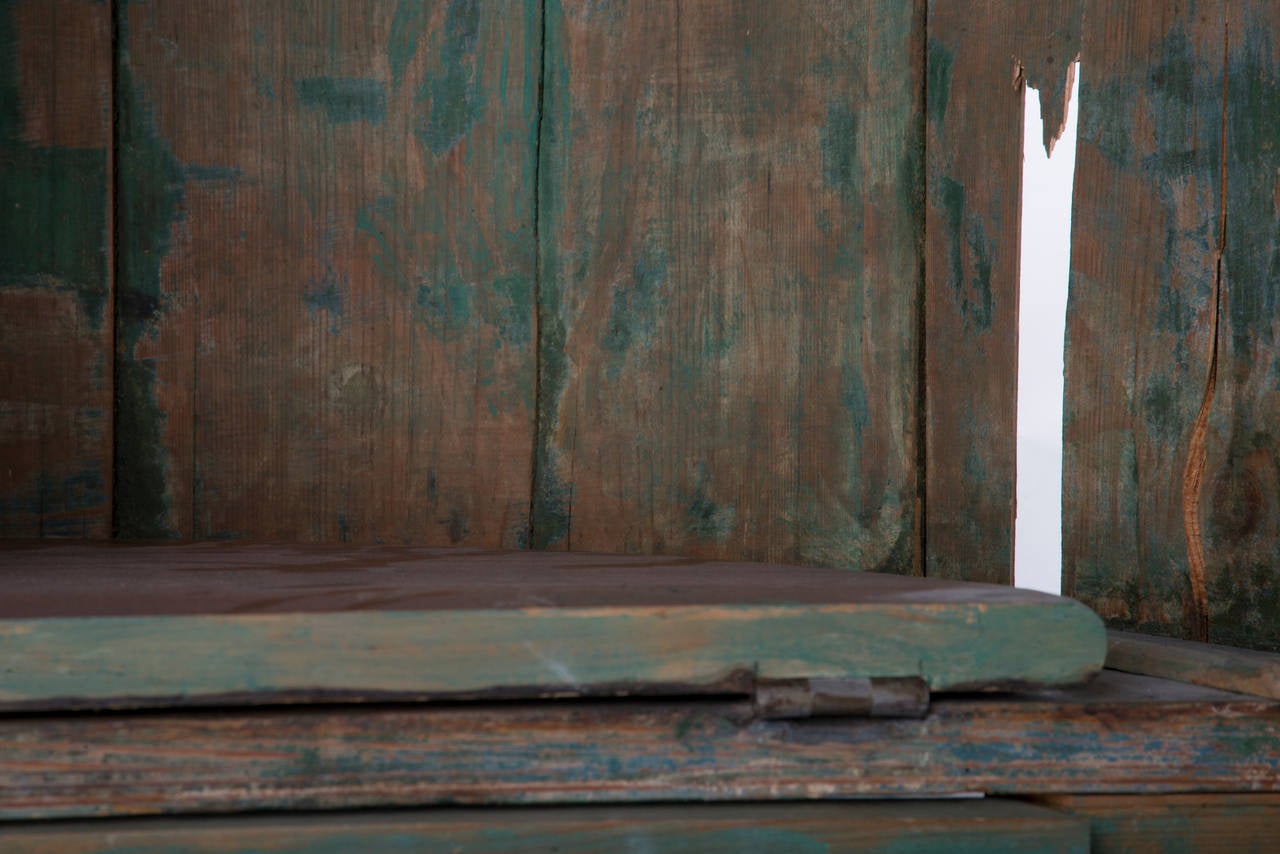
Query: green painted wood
x=730, y=234
x=900, y=828
x=1120, y=734
x=981, y=54
x=1224, y=667
x=1172, y=480
x=1177, y=823
x=326, y=261
x=55, y=269
x=154, y=625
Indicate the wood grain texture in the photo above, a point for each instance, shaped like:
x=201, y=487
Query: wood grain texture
x=980, y=54
x=1096, y=739
x=1175, y=823
x=730, y=233
x=327, y=258
x=408, y=624
x=901, y=828
x=1164, y=532
x=1230, y=669
x=55, y=269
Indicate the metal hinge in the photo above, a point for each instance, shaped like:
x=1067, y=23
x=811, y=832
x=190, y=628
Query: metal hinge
x=896, y=697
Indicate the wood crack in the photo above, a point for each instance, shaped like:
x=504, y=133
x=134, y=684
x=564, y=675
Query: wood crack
x=1193, y=475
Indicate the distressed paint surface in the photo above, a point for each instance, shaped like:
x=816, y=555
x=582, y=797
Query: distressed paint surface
x=975, y=110
x=505, y=630
x=900, y=828
x=730, y=227
x=1154, y=315
x=1120, y=734
x=327, y=296
x=1176, y=824
x=55, y=276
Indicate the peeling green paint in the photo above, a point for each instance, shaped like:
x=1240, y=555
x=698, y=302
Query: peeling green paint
x=839, y=143
x=454, y=91
x=635, y=307
x=938, y=81
x=409, y=24
x=52, y=203
x=973, y=296
x=344, y=99
x=149, y=193
x=444, y=304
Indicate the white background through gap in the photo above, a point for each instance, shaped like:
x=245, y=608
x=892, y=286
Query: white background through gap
x=1042, y=312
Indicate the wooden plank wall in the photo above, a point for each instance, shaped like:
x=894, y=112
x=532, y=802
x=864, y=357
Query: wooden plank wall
x=730, y=234
x=1172, y=478
x=55, y=268
x=327, y=270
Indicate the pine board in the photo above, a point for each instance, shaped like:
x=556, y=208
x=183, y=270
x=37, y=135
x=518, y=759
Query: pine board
x=730, y=228
x=981, y=55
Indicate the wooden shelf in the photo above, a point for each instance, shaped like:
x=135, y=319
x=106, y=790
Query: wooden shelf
x=127, y=626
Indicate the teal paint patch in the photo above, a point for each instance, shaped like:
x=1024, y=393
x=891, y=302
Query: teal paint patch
x=509, y=309
x=839, y=143
x=409, y=24
x=377, y=221
x=53, y=218
x=635, y=308
x=206, y=172
x=444, y=305
x=551, y=519
x=973, y=297
x=938, y=82
x=344, y=99
x=454, y=91
x=325, y=295
x=10, y=97
x=150, y=194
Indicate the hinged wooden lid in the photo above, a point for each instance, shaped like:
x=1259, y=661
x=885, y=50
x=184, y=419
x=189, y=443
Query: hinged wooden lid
x=112, y=625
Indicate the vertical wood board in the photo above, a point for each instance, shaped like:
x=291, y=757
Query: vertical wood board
x=327, y=316
x=55, y=269
x=1171, y=325
x=981, y=54
x=730, y=230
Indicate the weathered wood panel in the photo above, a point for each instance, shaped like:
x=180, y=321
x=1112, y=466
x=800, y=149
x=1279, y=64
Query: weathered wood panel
x=55, y=269
x=980, y=54
x=1160, y=825
x=730, y=230
x=1096, y=739
x=327, y=258
x=1170, y=485
x=1230, y=669
x=216, y=622
x=901, y=828
x=1239, y=499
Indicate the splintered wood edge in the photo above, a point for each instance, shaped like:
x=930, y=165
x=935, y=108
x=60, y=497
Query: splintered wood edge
x=123, y=662
x=1242, y=670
